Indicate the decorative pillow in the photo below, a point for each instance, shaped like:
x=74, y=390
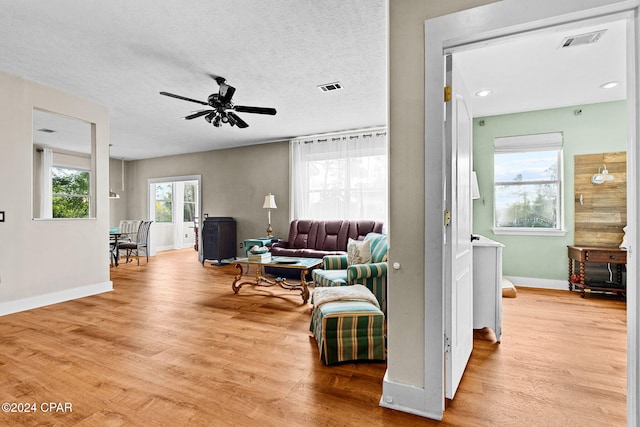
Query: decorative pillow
x=358, y=252
x=379, y=247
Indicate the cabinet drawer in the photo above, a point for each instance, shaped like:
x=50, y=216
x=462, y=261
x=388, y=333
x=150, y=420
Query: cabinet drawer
x=614, y=257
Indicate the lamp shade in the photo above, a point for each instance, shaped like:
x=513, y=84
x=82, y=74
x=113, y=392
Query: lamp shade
x=269, y=202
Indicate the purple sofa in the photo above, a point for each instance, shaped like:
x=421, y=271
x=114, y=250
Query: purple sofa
x=317, y=238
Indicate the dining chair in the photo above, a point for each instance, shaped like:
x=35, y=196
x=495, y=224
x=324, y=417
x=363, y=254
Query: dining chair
x=140, y=244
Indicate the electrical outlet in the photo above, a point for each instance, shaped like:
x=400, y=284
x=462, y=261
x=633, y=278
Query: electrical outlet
x=186, y=235
x=241, y=245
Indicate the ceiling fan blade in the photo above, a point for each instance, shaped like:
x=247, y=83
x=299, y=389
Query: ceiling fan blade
x=255, y=110
x=197, y=114
x=233, y=117
x=183, y=98
x=219, y=79
x=226, y=93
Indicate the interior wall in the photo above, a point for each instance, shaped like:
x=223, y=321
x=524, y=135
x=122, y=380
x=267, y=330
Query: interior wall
x=600, y=127
x=71, y=256
x=234, y=183
x=412, y=203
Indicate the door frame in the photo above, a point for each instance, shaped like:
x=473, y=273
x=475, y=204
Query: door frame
x=151, y=203
x=510, y=18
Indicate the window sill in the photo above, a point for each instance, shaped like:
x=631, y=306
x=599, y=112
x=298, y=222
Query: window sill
x=529, y=232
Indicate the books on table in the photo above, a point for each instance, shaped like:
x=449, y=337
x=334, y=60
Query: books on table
x=265, y=257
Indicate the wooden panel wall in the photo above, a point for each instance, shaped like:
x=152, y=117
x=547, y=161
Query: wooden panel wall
x=602, y=214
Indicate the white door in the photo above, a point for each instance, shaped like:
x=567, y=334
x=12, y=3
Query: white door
x=458, y=249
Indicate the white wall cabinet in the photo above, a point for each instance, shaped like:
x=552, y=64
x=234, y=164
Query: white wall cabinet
x=487, y=285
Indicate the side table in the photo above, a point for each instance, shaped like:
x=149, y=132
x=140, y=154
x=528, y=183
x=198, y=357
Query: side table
x=260, y=241
x=587, y=254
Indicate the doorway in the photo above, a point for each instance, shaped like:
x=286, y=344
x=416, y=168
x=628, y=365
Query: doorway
x=174, y=206
x=512, y=19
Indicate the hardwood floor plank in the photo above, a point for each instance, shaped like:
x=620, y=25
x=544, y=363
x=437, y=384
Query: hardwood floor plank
x=173, y=345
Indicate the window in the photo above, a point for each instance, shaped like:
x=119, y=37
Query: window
x=164, y=202
x=70, y=192
x=528, y=185
x=340, y=177
x=189, y=202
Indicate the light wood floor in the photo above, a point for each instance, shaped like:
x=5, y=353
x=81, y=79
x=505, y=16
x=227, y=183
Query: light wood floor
x=174, y=346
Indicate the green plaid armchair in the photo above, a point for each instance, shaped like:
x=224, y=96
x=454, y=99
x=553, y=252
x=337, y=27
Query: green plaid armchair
x=337, y=272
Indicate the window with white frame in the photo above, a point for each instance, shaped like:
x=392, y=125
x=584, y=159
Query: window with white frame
x=340, y=176
x=70, y=192
x=528, y=184
x=164, y=202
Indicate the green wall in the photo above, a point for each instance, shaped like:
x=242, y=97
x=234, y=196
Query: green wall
x=600, y=128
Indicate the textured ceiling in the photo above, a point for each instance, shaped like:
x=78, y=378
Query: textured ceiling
x=275, y=53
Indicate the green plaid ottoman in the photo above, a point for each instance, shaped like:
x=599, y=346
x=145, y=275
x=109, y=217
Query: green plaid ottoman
x=349, y=330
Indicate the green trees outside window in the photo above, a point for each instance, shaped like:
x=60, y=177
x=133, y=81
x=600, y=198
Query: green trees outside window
x=164, y=202
x=70, y=192
x=189, y=202
x=527, y=189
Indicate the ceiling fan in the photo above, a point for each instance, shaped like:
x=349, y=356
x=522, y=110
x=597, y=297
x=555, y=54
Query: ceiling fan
x=222, y=109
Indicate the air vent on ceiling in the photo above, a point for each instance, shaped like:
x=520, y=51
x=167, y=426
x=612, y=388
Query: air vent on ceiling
x=328, y=87
x=46, y=130
x=581, y=39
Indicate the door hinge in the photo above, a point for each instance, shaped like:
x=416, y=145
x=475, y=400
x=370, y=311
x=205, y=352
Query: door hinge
x=447, y=218
x=447, y=93
x=447, y=344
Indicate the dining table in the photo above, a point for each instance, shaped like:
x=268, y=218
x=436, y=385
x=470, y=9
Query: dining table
x=115, y=235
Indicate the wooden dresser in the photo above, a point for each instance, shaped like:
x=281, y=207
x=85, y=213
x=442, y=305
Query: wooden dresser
x=590, y=254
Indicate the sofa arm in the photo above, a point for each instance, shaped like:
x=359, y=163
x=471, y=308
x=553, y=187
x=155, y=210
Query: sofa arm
x=364, y=271
x=279, y=244
x=334, y=262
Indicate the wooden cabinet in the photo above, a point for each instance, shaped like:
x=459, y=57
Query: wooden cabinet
x=487, y=285
x=218, y=239
x=583, y=255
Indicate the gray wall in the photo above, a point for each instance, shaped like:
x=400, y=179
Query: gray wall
x=234, y=183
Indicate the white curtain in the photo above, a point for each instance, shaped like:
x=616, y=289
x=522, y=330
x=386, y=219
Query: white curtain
x=340, y=176
x=46, y=200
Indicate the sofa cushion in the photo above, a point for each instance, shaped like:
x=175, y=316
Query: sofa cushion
x=327, y=278
x=303, y=234
x=358, y=252
x=332, y=235
x=358, y=229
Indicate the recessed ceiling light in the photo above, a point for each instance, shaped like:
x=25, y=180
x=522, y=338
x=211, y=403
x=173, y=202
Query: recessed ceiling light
x=609, y=85
x=484, y=92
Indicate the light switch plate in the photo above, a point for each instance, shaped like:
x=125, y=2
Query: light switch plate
x=1, y=216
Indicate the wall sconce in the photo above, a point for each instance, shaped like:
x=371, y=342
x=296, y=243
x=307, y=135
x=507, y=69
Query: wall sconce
x=475, y=189
x=269, y=203
x=602, y=176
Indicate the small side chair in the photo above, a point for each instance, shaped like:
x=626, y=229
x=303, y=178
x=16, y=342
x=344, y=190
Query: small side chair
x=140, y=244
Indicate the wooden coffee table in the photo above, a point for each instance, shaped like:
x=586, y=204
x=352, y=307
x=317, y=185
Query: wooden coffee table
x=295, y=263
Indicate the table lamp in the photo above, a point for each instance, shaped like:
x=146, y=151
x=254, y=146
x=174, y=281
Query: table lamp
x=269, y=203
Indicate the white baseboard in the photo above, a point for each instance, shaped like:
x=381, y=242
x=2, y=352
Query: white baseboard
x=30, y=303
x=532, y=282
x=406, y=398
